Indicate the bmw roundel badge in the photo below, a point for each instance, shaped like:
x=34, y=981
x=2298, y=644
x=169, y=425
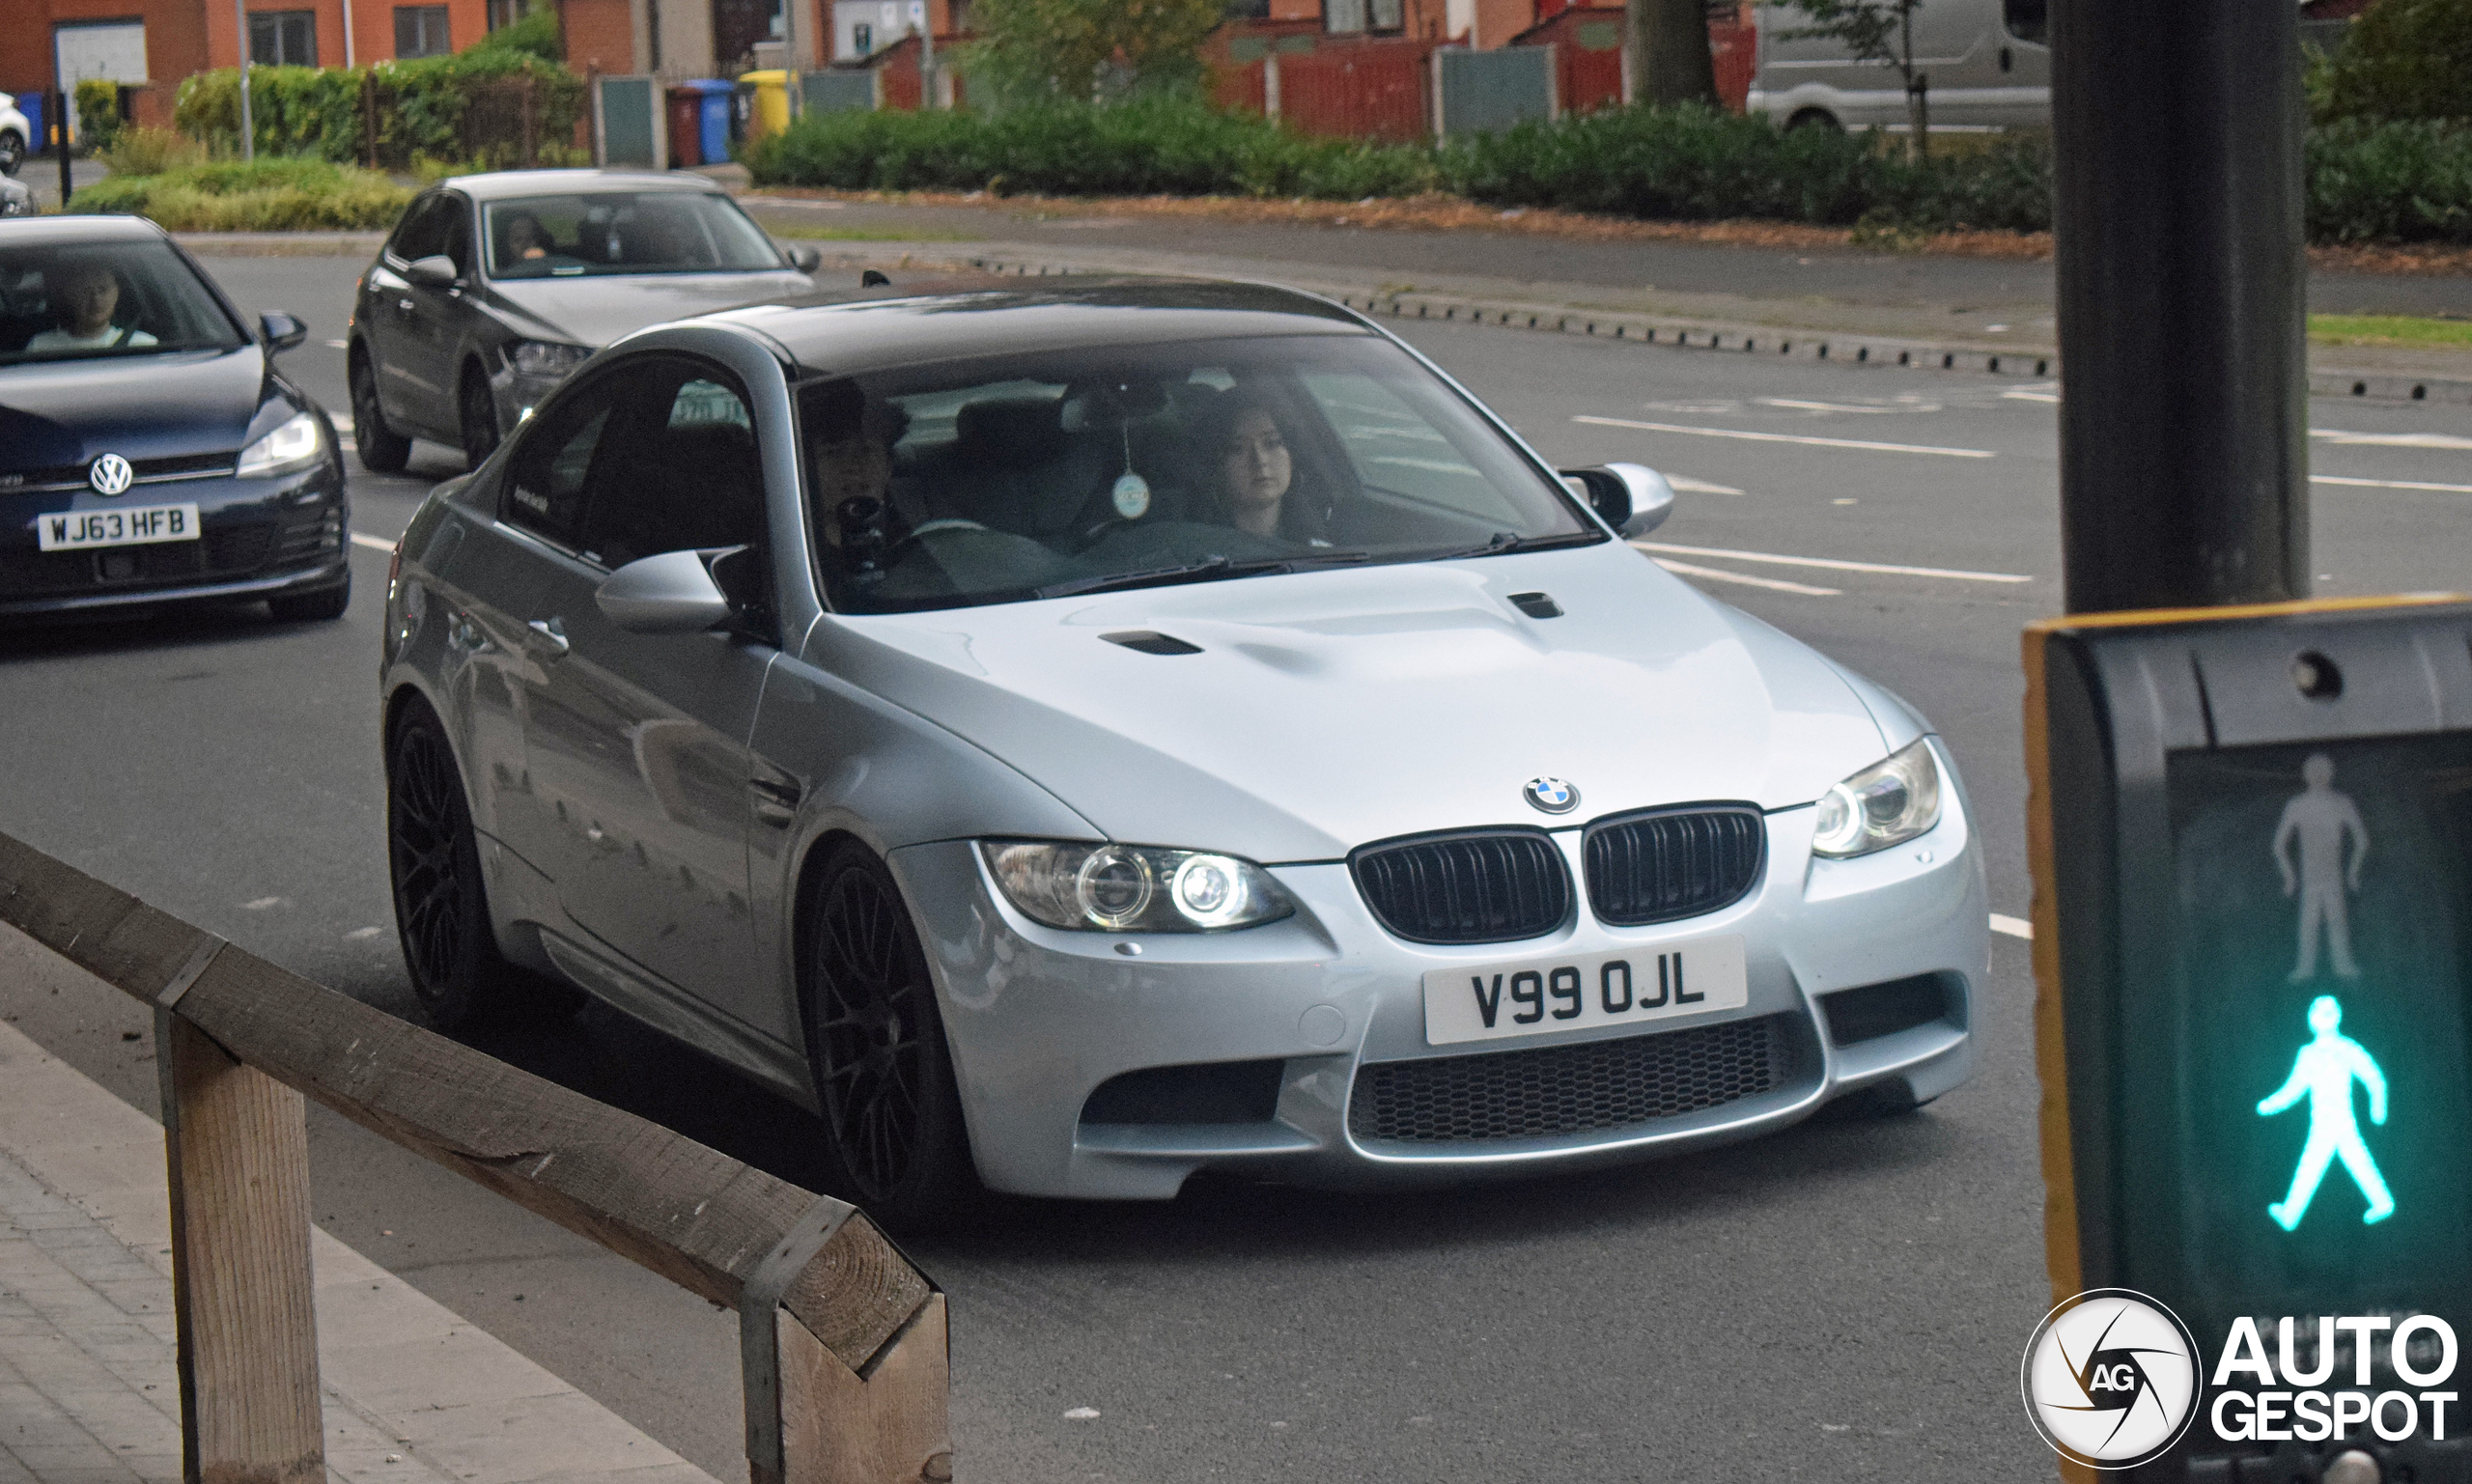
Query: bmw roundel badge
x=110, y=474
x=1551, y=795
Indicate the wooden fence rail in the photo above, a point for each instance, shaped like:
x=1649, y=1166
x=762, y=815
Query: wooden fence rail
x=842, y=1341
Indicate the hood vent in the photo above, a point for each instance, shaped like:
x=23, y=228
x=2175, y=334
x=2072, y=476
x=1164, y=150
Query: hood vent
x=1151, y=643
x=1536, y=605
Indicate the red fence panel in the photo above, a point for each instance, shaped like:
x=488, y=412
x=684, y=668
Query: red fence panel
x=1378, y=90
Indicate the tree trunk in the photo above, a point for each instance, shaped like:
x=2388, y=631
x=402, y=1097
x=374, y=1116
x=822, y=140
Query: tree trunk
x=1917, y=118
x=1669, y=58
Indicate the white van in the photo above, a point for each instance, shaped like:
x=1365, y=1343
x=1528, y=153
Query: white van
x=1988, y=62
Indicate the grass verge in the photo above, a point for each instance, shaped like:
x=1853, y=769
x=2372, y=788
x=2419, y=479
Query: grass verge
x=2390, y=330
x=265, y=195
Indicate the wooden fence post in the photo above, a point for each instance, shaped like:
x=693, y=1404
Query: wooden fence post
x=237, y=1147
x=884, y=1425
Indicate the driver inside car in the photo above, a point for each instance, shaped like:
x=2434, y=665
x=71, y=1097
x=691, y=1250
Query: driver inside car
x=83, y=297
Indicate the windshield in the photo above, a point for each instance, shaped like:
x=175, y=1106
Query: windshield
x=622, y=232
x=1032, y=476
x=76, y=301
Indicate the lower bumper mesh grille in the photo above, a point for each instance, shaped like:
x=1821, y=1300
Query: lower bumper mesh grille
x=1564, y=1089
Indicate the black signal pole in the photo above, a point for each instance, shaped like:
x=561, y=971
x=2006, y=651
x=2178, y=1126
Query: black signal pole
x=60, y=112
x=2184, y=433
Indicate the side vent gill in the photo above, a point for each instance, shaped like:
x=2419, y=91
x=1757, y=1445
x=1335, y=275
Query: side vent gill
x=1150, y=643
x=1536, y=605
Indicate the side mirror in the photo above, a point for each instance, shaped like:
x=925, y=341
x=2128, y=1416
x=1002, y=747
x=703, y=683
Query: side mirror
x=434, y=272
x=671, y=592
x=1632, y=499
x=806, y=259
x=281, y=331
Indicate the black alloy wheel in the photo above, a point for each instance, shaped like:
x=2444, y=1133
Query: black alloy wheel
x=12, y=150
x=383, y=450
x=891, y=1111
x=441, y=903
x=479, y=419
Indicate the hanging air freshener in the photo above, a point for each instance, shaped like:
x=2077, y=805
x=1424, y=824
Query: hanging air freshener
x=1132, y=491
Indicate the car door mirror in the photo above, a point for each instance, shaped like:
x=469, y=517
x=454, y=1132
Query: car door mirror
x=434, y=272
x=281, y=331
x=1630, y=497
x=672, y=593
x=806, y=259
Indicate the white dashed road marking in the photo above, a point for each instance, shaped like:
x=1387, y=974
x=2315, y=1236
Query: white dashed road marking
x=1836, y=564
x=2339, y=436
x=2380, y=484
x=1788, y=437
x=2013, y=927
x=373, y=543
x=1772, y=584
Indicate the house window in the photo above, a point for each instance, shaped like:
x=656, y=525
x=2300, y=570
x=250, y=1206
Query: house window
x=862, y=40
x=283, y=38
x=420, y=31
x=506, y=12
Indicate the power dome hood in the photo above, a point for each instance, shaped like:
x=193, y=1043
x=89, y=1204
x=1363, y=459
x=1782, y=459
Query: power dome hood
x=1330, y=709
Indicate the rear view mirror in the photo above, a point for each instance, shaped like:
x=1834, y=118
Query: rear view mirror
x=434, y=272
x=806, y=259
x=1630, y=497
x=281, y=331
x=672, y=593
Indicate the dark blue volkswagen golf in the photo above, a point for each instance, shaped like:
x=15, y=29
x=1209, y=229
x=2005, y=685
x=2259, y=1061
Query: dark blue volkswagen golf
x=150, y=452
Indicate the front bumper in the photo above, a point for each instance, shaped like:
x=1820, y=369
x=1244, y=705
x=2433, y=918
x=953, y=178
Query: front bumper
x=258, y=537
x=1039, y=1018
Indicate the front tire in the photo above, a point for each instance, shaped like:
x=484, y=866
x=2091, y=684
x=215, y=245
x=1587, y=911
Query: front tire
x=441, y=904
x=478, y=415
x=894, y=1132
x=383, y=450
x=12, y=150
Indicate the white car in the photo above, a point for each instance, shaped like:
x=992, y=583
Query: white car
x=14, y=132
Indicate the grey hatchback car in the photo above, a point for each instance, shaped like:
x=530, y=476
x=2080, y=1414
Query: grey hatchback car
x=492, y=288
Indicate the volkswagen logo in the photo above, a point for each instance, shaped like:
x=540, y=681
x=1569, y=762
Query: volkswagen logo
x=110, y=474
x=1551, y=795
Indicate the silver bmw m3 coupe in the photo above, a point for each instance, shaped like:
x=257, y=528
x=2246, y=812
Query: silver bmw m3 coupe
x=1071, y=735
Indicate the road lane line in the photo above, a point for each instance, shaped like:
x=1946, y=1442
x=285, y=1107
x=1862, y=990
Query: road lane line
x=1746, y=579
x=1800, y=406
x=1836, y=565
x=2339, y=436
x=2013, y=927
x=1786, y=437
x=2389, y=484
x=373, y=543
x=1684, y=484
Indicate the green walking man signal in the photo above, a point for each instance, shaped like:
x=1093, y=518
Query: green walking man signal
x=2323, y=1073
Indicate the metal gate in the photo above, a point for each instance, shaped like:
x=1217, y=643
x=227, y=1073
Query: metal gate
x=1480, y=92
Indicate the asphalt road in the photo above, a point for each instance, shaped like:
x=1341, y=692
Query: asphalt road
x=1843, y=1301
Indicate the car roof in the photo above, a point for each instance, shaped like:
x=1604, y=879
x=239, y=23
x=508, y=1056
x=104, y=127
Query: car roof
x=62, y=231
x=845, y=333
x=498, y=184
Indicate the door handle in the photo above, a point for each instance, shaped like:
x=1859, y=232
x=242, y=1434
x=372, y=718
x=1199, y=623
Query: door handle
x=551, y=633
x=2006, y=60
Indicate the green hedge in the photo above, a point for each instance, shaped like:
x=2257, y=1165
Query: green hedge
x=99, y=120
x=272, y=194
x=2397, y=180
x=420, y=111
x=2402, y=59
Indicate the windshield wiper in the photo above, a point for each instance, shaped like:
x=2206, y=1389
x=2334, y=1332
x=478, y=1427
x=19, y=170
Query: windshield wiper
x=1502, y=542
x=1208, y=569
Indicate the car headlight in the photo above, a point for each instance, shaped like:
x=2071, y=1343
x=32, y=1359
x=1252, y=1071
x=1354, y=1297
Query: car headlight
x=295, y=445
x=1133, y=888
x=1887, y=804
x=546, y=358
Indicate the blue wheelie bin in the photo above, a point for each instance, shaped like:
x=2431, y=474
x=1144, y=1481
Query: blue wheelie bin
x=719, y=100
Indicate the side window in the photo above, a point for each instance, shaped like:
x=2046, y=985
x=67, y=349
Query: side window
x=422, y=232
x=546, y=492
x=1396, y=449
x=682, y=473
x=458, y=235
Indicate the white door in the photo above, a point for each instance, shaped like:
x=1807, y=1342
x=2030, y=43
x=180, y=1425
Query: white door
x=116, y=52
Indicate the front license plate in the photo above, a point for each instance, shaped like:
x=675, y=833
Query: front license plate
x=76, y=530
x=1492, y=1002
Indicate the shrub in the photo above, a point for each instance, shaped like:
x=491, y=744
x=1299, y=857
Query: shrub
x=534, y=36
x=1030, y=51
x=98, y=120
x=420, y=108
x=138, y=151
x=2400, y=181
x=2402, y=59
x=273, y=194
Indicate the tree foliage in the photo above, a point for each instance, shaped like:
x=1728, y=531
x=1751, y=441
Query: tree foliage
x=1880, y=31
x=2402, y=59
x=1030, y=50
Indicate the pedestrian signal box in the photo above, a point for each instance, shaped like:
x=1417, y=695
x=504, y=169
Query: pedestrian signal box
x=2250, y=837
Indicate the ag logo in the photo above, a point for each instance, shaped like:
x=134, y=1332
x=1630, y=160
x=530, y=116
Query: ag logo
x=110, y=474
x=2111, y=1378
